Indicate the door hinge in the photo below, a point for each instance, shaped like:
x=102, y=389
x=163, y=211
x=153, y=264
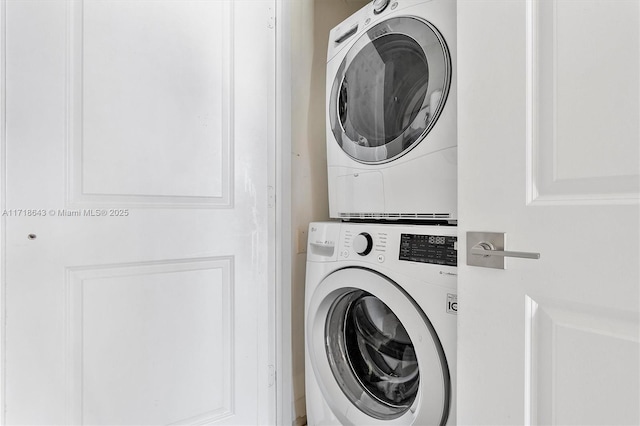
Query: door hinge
x=272, y=375
x=271, y=20
x=271, y=196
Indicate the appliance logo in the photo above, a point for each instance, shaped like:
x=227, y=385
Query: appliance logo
x=452, y=304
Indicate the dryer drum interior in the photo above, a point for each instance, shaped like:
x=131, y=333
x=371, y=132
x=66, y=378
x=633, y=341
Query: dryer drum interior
x=390, y=89
x=371, y=355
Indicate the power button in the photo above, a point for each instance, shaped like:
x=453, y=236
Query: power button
x=381, y=258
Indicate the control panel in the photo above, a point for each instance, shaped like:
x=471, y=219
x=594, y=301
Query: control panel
x=435, y=249
x=383, y=244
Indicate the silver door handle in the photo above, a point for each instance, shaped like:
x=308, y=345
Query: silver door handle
x=486, y=249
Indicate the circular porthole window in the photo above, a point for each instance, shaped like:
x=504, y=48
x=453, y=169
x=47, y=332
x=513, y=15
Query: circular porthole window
x=390, y=89
x=371, y=355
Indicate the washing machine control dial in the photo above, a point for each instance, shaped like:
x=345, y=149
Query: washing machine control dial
x=363, y=243
x=379, y=6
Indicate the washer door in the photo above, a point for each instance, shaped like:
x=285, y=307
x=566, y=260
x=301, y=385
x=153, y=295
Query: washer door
x=390, y=89
x=375, y=354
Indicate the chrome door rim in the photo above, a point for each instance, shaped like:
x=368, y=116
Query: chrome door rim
x=431, y=405
x=436, y=53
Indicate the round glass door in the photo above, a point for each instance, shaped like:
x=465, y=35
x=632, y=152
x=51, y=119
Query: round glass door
x=390, y=89
x=371, y=347
x=371, y=355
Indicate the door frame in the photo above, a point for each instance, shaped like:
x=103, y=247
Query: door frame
x=280, y=170
x=3, y=192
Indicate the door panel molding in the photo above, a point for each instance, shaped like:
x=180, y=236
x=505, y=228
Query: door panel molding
x=98, y=168
x=569, y=348
x=561, y=80
x=89, y=288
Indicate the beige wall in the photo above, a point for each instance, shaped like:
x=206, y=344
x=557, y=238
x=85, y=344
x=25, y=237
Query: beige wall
x=311, y=22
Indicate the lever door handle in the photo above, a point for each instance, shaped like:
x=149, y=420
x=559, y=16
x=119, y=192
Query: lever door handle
x=487, y=249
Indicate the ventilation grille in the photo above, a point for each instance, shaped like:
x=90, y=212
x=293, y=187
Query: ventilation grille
x=396, y=216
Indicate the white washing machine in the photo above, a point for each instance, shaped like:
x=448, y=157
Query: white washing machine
x=380, y=321
x=391, y=115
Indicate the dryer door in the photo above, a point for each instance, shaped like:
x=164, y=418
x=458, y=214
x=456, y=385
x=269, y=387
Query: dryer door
x=372, y=348
x=390, y=89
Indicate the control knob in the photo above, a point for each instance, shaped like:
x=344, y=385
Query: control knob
x=379, y=6
x=363, y=243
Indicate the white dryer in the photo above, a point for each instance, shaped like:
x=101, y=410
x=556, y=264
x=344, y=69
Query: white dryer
x=391, y=116
x=380, y=321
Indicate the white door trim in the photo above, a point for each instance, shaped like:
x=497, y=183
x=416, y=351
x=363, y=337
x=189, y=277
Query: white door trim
x=3, y=192
x=282, y=227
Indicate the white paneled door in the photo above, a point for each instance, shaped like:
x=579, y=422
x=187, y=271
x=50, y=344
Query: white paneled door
x=549, y=119
x=135, y=211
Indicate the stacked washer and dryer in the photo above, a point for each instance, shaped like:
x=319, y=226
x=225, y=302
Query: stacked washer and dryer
x=381, y=287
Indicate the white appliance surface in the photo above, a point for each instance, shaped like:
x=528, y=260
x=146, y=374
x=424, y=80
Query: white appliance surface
x=391, y=112
x=380, y=321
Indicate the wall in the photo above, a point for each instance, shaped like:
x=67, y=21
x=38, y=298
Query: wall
x=311, y=22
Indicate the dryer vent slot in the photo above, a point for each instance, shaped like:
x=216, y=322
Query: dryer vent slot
x=396, y=216
x=346, y=35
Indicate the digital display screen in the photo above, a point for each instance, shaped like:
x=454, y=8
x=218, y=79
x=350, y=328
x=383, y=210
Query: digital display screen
x=435, y=249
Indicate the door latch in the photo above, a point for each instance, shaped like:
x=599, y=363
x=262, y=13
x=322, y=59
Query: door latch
x=487, y=250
